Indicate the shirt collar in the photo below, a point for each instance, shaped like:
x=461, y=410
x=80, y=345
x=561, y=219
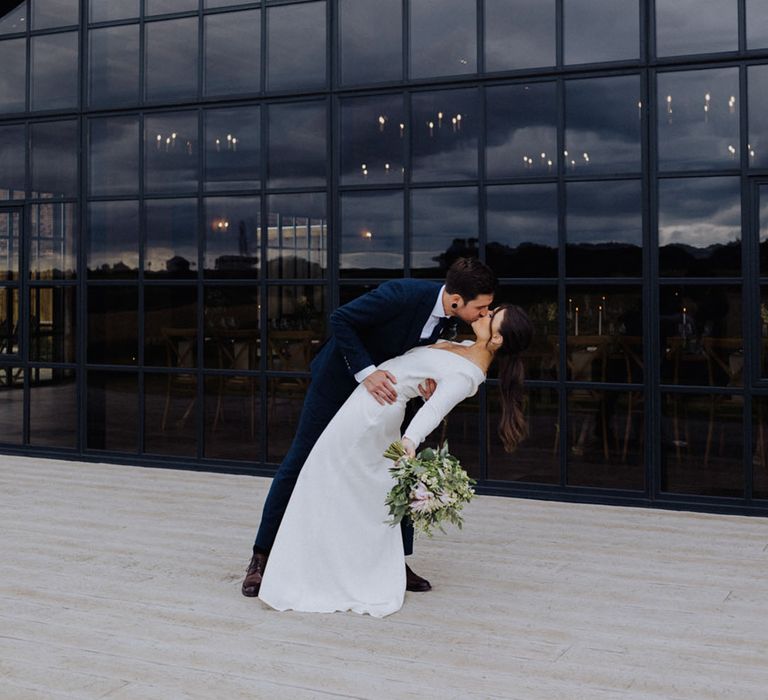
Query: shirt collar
x=438, y=311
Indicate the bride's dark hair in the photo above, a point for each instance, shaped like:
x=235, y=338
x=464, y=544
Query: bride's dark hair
x=516, y=330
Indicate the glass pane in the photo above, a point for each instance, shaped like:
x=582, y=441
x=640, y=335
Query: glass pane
x=224, y=3
x=443, y=37
x=9, y=321
x=372, y=140
x=444, y=226
x=605, y=445
x=14, y=20
x=113, y=66
x=604, y=229
x=521, y=221
x=522, y=130
x=372, y=227
x=702, y=444
x=371, y=40
x=232, y=333
x=759, y=445
x=53, y=408
x=54, y=13
x=112, y=411
x=701, y=336
x=698, y=119
x=170, y=142
x=171, y=59
x=286, y=399
x=605, y=334
x=12, y=156
x=510, y=43
x=763, y=373
x=13, y=77
x=54, y=159
x=52, y=324
x=232, y=148
x=696, y=26
x=53, y=241
x=232, y=237
x=233, y=52
x=700, y=226
x=603, y=117
x=296, y=317
x=170, y=326
x=113, y=325
x=296, y=37
x=540, y=303
x=11, y=405
x=445, y=137
x=114, y=156
x=170, y=414
x=10, y=245
x=297, y=145
x=297, y=236
x=160, y=7
x=105, y=10
x=537, y=458
x=757, y=79
x=232, y=418
x=757, y=24
x=461, y=430
x=616, y=22
x=113, y=239
x=763, y=229
x=171, y=247
x=54, y=71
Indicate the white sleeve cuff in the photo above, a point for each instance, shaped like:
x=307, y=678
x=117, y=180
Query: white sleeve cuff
x=365, y=373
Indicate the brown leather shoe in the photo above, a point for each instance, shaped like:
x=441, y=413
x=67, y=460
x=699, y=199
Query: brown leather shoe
x=252, y=580
x=415, y=583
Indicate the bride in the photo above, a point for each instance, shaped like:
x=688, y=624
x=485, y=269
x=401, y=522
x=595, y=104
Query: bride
x=334, y=550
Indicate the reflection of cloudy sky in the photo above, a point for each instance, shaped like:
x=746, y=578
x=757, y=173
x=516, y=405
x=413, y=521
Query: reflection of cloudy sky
x=510, y=43
x=365, y=141
x=445, y=152
x=227, y=163
x=381, y=214
x=171, y=231
x=114, y=65
x=171, y=58
x=615, y=22
x=519, y=214
x=604, y=212
x=113, y=234
x=296, y=46
x=696, y=26
x=437, y=217
x=297, y=144
x=54, y=157
x=443, y=42
x=699, y=211
x=371, y=40
x=603, y=120
x=12, y=157
x=757, y=24
x=171, y=167
x=757, y=80
x=689, y=136
x=233, y=52
x=114, y=155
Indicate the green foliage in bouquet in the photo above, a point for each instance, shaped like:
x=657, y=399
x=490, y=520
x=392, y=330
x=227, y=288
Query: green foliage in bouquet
x=431, y=488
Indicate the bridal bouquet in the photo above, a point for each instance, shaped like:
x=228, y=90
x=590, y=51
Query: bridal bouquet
x=431, y=488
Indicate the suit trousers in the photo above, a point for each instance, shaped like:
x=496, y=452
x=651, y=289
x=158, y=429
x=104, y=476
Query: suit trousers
x=319, y=409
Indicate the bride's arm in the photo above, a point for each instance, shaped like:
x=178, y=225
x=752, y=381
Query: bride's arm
x=450, y=391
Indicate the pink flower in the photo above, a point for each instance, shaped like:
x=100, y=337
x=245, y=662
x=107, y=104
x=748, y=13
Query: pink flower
x=421, y=493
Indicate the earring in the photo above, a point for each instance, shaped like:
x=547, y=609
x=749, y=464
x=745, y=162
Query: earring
x=454, y=305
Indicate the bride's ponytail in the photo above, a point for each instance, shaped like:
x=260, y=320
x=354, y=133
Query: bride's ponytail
x=517, y=331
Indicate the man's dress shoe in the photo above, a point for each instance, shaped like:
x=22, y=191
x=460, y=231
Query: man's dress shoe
x=415, y=583
x=252, y=580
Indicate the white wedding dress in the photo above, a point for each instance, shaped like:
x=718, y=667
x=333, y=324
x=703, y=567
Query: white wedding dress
x=334, y=550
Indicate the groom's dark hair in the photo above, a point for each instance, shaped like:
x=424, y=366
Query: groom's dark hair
x=469, y=278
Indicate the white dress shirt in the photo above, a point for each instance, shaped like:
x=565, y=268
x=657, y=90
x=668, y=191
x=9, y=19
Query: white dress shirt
x=438, y=312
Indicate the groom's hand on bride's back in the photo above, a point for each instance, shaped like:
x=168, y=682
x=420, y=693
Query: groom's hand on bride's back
x=380, y=385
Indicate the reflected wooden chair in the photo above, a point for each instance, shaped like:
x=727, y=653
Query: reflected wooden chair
x=290, y=351
x=237, y=350
x=180, y=347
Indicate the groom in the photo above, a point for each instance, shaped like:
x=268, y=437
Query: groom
x=393, y=318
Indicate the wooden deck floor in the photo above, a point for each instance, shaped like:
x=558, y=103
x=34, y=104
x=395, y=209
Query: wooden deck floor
x=123, y=583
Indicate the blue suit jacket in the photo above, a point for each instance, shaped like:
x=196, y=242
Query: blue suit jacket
x=375, y=327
